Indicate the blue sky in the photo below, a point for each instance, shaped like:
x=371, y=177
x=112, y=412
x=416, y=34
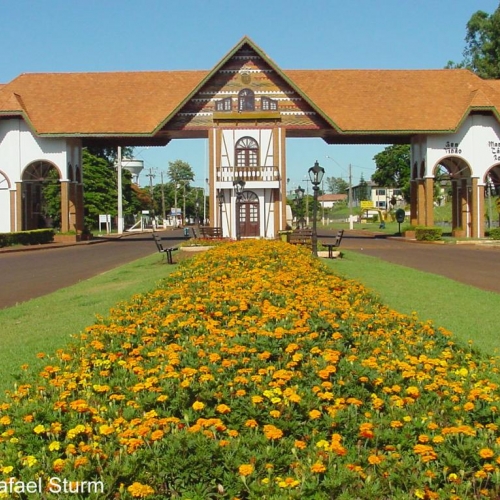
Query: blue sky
x=132, y=35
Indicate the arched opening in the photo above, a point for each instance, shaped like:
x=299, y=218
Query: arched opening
x=452, y=181
x=41, y=196
x=4, y=203
x=492, y=196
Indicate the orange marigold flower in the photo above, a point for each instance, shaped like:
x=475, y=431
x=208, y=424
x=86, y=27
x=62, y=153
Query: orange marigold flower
x=314, y=414
x=318, y=468
x=251, y=423
x=375, y=459
x=486, y=453
x=299, y=444
x=222, y=408
x=272, y=432
x=157, y=435
x=245, y=469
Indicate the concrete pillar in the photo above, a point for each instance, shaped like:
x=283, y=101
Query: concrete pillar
x=429, y=201
x=13, y=209
x=413, y=202
x=79, y=208
x=464, y=207
x=477, y=204
x=420, y=203
x=65, y=227
x=455, y=212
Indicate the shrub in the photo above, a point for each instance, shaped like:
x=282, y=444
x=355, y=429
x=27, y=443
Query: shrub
x=34, y=237
x=255, y=372
x=423, y=233
x=495, y=233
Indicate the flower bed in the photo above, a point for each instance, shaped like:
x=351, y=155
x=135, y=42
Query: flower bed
x=253, y=372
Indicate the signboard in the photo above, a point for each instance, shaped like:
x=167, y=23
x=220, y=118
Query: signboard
x=365, y=204
x=175, y=211
x=106, y=220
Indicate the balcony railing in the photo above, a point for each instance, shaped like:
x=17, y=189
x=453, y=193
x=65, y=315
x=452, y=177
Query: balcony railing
x=247, y=174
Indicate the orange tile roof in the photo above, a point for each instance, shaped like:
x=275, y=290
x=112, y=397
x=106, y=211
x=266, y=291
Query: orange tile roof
x=352, y=101
x=98, y=103
x=393, y=100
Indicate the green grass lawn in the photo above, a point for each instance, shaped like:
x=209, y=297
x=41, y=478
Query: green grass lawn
x=47, y=323
x=470, y=313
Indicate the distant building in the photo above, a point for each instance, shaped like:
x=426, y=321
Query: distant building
x=330, y=200
x=378, y=195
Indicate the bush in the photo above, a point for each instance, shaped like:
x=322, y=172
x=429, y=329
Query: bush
x=495, y=233
x=35, y=237
x=423, y=233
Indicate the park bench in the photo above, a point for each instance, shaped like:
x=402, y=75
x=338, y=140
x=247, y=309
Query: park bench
x=164, y=251
x=210, y=232
x=301, y=237
x=335, y=244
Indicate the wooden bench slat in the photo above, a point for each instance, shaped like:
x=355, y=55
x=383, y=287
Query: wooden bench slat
x=164, y=251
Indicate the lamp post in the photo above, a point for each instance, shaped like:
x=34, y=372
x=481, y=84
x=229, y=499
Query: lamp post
x=197, y=210
x=238, y=185
x=220, y=198
x=299, y=195
x=316, y=174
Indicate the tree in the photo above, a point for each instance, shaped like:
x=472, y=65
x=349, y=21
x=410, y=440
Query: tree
x=393, y=168
x=482, y=51
x=336, y=185
x=363, y=193
x=179, y=171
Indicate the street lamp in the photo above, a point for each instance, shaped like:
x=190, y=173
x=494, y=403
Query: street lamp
x=238, y=185
x=299, y=195
x=197, y=210
x=220, y=198
x=316, y=174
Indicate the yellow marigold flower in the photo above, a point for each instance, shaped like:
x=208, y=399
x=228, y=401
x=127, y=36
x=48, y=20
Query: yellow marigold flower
x=413, y=391
x=438, y=439
x=39, y=429
x=29, y=460
x=138, y=490
x=54, y=446
x=318, y=468
x=275, y=413
x=396, y=423
x=198, y=405
x=481, y=474
x=7, y=469
x=314, y=414
x=323, y=444
x=222, y=408
x=245, y=469
x=486, y=453
x=5, y=420
x=161, y=398
x=257, y=399
x=272, y=432
x=106, y=430
x=423, y=438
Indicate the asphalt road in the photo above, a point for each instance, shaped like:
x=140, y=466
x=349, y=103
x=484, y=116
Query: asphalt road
x=25, y=275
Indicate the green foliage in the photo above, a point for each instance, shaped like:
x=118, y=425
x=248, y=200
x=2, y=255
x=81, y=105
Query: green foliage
x=495, y=233
x=35, y=237
x=363, y=191
x=482, y=50
x=51, y=195
x=423, y=233
x=336, y=185
x=393, y=168
x=179, y=171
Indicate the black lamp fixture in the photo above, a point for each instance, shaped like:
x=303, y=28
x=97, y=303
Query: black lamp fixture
x=220, y=198
x=238, y=185
x=316, y=174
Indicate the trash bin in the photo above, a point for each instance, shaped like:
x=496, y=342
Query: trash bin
x=186, y=232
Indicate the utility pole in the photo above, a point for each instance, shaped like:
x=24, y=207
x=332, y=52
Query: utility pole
x=120, y=191
x=162, y=197
x=351, y=225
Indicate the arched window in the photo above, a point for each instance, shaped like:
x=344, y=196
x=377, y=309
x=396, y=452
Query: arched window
x=247, y=152
x=246, y=100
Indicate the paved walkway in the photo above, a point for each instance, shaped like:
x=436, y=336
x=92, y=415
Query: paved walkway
x=33, y=272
